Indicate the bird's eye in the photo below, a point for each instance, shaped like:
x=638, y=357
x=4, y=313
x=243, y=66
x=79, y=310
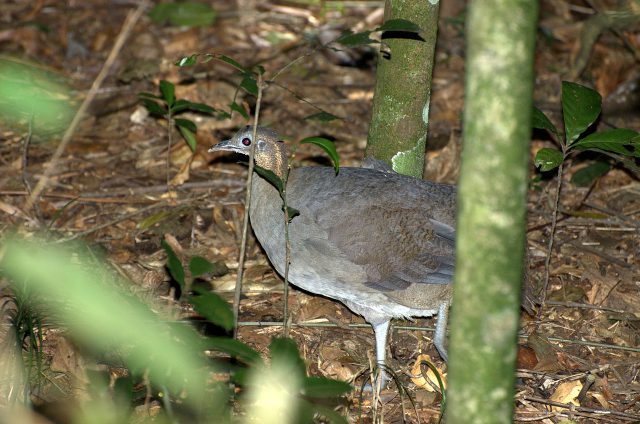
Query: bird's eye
x=246, y=141
x=280, y=141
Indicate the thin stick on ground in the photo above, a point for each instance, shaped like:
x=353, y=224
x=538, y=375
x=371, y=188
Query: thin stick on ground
x=127, y=27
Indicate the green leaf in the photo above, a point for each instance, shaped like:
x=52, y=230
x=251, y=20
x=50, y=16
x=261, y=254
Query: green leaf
x=322, y=116
x=236, y=107
x=618, y=140
x=233, y=63
x=580, y=107
x=154, y=108
x=328, y=146
x=234, y=348
x=584, y=177
x=540, y=121
x=168, y=92
x=199, y=266
x=213, y=308
x=183, y=14
x=180, y=106
x=189, y=137
x=188, y=60
x=148, y=95
x=123, y=391
x=226, y=115
x=325, y=387
x=173, y=263
x=186, y=123
x=249, y=84
x=399, y=25
x=355, y=39
x=292, y=212
x=548, y=159
x=270, y=176
x=201, y=107
x=284, y=355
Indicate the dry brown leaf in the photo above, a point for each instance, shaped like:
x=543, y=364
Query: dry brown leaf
x=566, y=392
x=183, y=175
x=601, y=400
x=334, y=363
x=601, y=285
x=417, y=376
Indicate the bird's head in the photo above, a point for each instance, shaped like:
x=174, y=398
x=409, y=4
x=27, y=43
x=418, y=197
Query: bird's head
x=270, y=152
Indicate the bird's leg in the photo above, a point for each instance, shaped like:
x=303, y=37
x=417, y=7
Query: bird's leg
x=441, y=330
x=381, y=331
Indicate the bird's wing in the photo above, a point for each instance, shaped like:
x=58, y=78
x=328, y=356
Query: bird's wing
x=396, y=246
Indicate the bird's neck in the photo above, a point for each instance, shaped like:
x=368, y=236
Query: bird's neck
x=276, y=163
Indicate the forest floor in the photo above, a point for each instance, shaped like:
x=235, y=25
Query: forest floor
x=109, y=187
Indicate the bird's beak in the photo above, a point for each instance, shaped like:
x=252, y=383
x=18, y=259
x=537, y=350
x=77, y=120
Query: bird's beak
x=224, y=146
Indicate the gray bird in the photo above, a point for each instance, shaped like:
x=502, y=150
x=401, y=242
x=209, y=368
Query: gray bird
x=381, y=243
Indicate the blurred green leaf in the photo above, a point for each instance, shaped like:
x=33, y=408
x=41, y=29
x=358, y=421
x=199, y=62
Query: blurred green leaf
x=284, y=354
x=618, y=140
x=32, y=96
x=201, y=107
x=322, y=116
x=183, y=14
x=235, y=106
x=325, y=387
x=330, y=414
x=149, y=95
x=355, y=39
x=584, y=177
x=167, y=90
x=123, y=392
x=226, y=115
x=548, y=159
x=539, y=120
x=328, y=146
x=154, y=108
x=233, y=63
x=103, y=317
x=402, y=25
x=213, y=308
x=173, y=263
x=199, y=266
x=180, y=106
x=188, y=60
x=186, y=123
x=249, y=84
x=189, y=137
x=234, y=348
x=580, y=107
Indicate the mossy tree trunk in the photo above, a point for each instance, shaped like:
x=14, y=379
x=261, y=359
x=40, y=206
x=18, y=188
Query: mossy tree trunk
x=492, y=210
x=398, y=130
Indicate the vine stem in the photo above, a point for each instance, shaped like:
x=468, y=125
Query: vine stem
x=554, y=221
x=247, y=205
x=287, y=255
